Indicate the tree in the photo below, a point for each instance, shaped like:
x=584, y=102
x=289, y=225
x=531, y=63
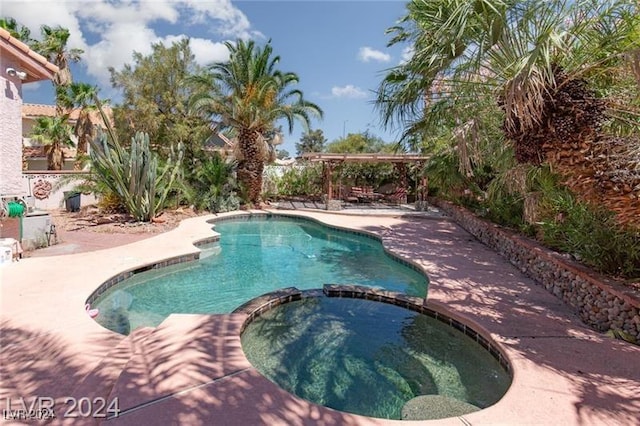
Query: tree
x=155, y=92
x=53, y=133
x=542, y=68
x=18, y=31
x=83, y=95
x=54, y=47
x=248, y=94
x=311, y=141
x=362, y=142
x=282, y=154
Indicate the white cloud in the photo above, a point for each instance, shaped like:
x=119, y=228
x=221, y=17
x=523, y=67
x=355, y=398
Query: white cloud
x=32, y=87
x=231, y=21
x=115, y=29
x=368, y=54
x=34, y=14
x=349, y=91
x=205, y=51
x=407, y=54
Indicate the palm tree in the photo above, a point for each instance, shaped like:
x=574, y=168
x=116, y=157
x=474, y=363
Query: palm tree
x=53, y=133
x=54, y=47
x=83, y=95
x=248, y=95
x=546, y=68
x=16, y=30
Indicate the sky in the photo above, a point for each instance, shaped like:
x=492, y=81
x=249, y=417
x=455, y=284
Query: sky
x=337, y=48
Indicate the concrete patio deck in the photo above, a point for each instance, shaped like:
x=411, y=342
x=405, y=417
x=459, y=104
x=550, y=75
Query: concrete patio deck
x=191, y=369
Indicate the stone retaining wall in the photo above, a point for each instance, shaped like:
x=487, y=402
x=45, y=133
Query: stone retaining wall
x=600, y=302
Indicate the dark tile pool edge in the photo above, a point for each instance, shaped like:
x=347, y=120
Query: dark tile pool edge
x=118, y=278
x=261, y=304
x=256, y=307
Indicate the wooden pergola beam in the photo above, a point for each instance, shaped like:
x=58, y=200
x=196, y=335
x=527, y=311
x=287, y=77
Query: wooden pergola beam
x=363, y=158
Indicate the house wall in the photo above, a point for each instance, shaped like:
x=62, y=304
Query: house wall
x=10, y=129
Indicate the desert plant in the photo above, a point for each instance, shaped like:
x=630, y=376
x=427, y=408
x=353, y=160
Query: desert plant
x=249, y=94
x=135, y=175
x=54, y=133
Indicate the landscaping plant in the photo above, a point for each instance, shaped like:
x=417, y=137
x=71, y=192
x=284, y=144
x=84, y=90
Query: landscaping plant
x=135, y=175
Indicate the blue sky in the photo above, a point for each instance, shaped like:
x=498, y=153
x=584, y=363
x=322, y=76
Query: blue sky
x=338, y=48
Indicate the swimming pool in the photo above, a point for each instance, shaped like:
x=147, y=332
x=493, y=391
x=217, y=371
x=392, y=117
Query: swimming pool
x=372, y=358
x=254, y=255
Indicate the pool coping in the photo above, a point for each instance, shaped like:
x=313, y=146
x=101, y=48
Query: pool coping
x=577, y=376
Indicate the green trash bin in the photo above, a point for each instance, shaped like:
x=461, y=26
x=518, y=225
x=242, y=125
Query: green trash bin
x=72, y=201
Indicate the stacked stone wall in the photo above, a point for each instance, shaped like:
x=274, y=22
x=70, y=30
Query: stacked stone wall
x=601, y=302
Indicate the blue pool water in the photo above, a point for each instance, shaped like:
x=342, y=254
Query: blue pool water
x=254, y=256
x=371, y=358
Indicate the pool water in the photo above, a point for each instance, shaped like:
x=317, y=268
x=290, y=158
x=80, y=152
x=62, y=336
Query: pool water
x=254, y=256
x=369, y=358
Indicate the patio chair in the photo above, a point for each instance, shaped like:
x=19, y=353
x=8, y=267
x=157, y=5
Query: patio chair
x=358, y=192
x=371, y=195
x=399, y=196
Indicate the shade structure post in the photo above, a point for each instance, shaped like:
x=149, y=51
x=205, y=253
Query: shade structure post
x=403, y=181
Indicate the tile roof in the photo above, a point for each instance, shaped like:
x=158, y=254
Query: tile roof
x=40, y=110
x=36, y=66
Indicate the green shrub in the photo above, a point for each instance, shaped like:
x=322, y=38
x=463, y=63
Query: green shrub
x=213, y=185
x=369, y=174
x=301, y=181
x=445, y=178
x=591, y=234
x=507, y=211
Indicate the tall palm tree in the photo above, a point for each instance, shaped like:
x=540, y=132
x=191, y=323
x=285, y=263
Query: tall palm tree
x=54, y=47
x=53, y=133
x=83, y=95
x=248, y=95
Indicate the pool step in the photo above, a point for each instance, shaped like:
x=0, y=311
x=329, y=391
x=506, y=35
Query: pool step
x=99, y=382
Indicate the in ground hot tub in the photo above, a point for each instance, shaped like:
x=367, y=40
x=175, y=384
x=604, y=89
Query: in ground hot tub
x=375, y=359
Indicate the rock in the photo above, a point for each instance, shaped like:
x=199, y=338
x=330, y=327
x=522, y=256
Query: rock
x=103, y=220
x=431, y=407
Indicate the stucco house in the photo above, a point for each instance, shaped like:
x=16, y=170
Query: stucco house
x=18, y=65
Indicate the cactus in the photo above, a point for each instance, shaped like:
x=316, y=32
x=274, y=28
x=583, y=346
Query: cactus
x=136, y=176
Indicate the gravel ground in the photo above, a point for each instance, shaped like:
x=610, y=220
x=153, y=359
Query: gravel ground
x=90, y=230
x=93, y=220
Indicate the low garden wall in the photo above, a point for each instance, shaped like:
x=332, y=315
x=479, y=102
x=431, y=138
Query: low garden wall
x=47, y=187
x=601, y=302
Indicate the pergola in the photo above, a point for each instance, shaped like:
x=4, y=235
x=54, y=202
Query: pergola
x=330, y=161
